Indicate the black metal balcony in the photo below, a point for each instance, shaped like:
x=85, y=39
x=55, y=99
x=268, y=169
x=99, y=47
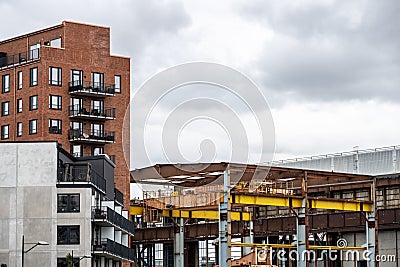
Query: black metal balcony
x=86, y=88
x=118, y=196
x=20, y=58
x=92, y=113
x=108, y=247
x=77, y=174
x=105, y=215
x=77, y=135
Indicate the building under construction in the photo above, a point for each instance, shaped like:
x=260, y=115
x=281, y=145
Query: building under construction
x=225, y=214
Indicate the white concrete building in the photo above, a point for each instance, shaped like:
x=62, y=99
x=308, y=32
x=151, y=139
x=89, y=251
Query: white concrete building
x=68, y=203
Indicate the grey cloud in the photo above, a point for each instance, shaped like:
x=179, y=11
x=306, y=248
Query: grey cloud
x=135, y=25
x=322, y=52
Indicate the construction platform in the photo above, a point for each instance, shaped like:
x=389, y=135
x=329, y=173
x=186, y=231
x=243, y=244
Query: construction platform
x=242, y=208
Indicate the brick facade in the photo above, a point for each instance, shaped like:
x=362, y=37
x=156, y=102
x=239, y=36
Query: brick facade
x=83, y=47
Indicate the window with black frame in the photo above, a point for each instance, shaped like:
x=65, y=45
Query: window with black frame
x=55, y=126
x=97, y=107
x=19, y=129
x=19, y=105
x=5, y=83
x=62, y=262
x=33, y=102
x=33, y=76
x=98, y=81
x=117, y=83
x=76, y=150
x=76, y=77
x=68, y=235
x=97, y=130
x=5, y=132
x=5, y=108
x=19, y=80
x=33, y=126
x=55, y=76
x=68, y=203
x=97, y=151
x=55, y=102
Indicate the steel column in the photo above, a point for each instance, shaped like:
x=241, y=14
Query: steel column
x=302, y=227
x=370, y=238
x=301, y=238
x=248, y=239
x=179, y=244
x=225, y=224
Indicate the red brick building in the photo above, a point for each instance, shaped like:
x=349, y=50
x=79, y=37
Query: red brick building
x=61, y=83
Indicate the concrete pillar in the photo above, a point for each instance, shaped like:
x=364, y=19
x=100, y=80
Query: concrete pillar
x=371, y=238
x=248, y=239
x=225, y=225
x=179, y=245
x=301, y=238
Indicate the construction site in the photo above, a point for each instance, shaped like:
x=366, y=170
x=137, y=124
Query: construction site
x=227, y=214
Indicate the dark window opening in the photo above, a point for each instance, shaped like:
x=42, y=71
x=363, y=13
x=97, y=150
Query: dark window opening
x=68, y=235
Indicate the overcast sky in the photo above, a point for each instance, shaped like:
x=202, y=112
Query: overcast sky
x=329, y=69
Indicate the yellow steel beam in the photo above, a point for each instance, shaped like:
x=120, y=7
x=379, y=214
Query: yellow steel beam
x=136, y=210
x=340, y=205
x=311, y=247
x=286, y=201
x=205, y=214
x=258, y=200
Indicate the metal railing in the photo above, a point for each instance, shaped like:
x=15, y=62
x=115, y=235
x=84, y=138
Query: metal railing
x=80, y=111
x=114, y=248
x=91, y=87
x=332, y=155
x=105, y=213
x=78, y=134
x=73, y=174
x=23, y=57
x=118, y=196
x=55, y=130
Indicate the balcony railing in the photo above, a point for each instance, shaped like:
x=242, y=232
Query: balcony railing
x=91, y=88
x=55, y=130
x=79, y=174
x=77, y=111
x=23, y=57
x=118, y=196
x=108, y=246
x=109, y=215
x=77, y=135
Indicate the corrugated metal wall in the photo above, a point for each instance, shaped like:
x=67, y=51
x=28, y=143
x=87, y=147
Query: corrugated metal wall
x=377, y=161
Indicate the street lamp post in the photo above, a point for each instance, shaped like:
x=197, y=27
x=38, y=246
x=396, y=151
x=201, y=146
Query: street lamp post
x=39, y=243
x=80, y=258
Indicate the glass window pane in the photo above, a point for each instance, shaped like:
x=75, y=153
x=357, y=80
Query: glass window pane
x=117, y=83
x=74, y=235
x=19, y=79
x=56, y=42
x=62, y=235
x=62, y=203
x=77, y=150
x=74, y=203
